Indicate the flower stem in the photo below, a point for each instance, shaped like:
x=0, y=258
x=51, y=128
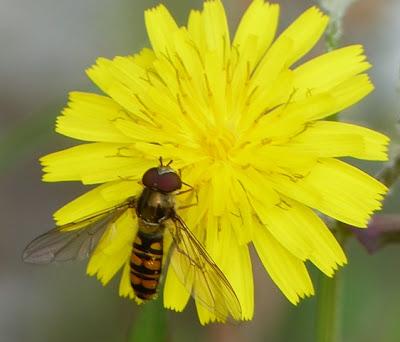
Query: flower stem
x=327, y=309
x=151, y=324
x=328, y=320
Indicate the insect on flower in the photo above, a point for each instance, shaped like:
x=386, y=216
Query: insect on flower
x=155, y=211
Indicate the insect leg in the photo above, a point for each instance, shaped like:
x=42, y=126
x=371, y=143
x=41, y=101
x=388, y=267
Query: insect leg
x=186, y=191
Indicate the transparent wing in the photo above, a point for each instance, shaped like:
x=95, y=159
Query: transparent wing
x=193, y=265
x=72, y=241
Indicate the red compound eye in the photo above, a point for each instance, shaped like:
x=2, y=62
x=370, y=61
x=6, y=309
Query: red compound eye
x=162, y=179
x=150, y=178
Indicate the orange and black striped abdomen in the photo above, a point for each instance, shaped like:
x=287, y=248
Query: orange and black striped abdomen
x=146, y=261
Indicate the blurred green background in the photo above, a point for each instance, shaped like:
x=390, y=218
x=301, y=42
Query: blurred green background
x=45, y=47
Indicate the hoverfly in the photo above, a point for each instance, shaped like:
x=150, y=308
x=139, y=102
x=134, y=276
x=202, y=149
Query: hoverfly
x=155, y=210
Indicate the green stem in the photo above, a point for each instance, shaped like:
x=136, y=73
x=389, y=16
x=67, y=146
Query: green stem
x=150, y=324
x=329, y=304
x=327, y=309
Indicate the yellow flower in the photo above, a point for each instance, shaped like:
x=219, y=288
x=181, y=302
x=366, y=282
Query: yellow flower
x=245, y=127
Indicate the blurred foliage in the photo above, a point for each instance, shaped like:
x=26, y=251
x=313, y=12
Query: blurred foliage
x=25, y=138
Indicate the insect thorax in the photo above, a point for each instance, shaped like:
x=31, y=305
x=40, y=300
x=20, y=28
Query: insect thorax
x=153, y=208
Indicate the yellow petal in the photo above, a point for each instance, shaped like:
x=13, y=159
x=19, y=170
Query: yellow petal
x=302, y=233
x=141, y=132
x=105, y=267
x=215, y=79
x=242, y=280
x=219, y=191
x=181, y=155
x=304, y=33
x=216, y=29
x=91, y=117
x=119, y=235
x=290, y=119
x=347, y=94
x=188, y=77
x=102, y=75
x=338, y=139
x=260, y=22
x=241, y=217
x=113, y=249
x=107, y=162
x=195, y=29
x=220, y=242
x=343, y=191
x=235, y=263
x=123, y=80
x=176, y=295
x=144, y=58
x=252, y=180
x=272, y=63
x=125, y=287
x=93, y=201
x=150, y=95
x=330, y=69
x=205, y=57
x=205, y=316
x=119, y=191
x=261, y=101
x=276, y=159
x=315, y=106
x=318, y=106
x=287, y=271
x=160, y=28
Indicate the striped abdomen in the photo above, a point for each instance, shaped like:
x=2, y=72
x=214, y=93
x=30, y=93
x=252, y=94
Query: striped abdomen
x=146, y=261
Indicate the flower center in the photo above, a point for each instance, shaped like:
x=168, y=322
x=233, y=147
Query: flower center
x=218, y=142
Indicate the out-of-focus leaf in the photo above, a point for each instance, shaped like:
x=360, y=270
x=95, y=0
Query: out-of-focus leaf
x=150, y=325
x=390, y=173
x=336, y=9
x=382, y=230
x=25, y=138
